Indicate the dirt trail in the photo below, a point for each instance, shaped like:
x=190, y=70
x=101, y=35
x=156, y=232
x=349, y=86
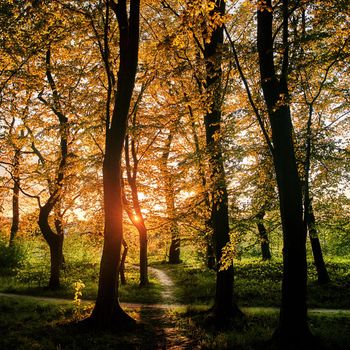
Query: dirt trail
x=167, y=283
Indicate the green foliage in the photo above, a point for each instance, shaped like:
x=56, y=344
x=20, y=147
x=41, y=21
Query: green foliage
x=10, y=257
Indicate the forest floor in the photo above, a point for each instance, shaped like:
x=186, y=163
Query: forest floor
x=160, y=326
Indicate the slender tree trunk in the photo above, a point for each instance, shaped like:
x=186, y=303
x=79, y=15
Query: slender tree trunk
x=15, y=197
x=210, y=253
x=225, y=307
x=107, y=310
x=322, y=273
x=143, y=256
x=122, y=263
x=137, y=219
x=54, y=239
x=263, y=235
x=293, y=327
x=174, y=250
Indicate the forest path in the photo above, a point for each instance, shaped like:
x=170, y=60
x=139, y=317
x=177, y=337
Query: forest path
x=167, y=284
x=161, y=306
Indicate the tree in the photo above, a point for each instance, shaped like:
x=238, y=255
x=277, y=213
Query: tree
x=225, y=307
x=107, y=309
x=293, y=328
x=174, y=250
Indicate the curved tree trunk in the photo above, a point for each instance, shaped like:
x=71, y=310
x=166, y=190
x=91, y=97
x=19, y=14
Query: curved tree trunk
x=55, y=242
x=15, y=197
x=107, y=309
x=54, y=239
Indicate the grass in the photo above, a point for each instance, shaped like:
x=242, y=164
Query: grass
x=27, y=271
x=332, y=330
x=258, y=283
x=35, y=324
x=51, y=326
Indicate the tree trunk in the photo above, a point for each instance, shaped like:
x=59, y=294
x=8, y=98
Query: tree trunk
x=137, y=219
x=174, y=251
x=143, y=256
x=55, y=242
x=15, y=197
x=107, y=310
x=225, y=307
x=322, y=273
x=122, y=263
x=210, y=253
x=264, y=237
x=293, y=327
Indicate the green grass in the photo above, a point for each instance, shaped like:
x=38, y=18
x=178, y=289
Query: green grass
x=26, y=324
x=258, y=283
x=27, y=271
x=332, y=330
x=34, y=324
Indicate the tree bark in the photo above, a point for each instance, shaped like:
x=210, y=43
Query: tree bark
x=55, y=242
x=174, y=250
x=137, y=219
x=107, y=310
x=293, y=327
x=322, y=273
x=225, y=307
x=15, y=197
x=122, y=263
x=263, y=235
x=210, y=254
x=54, y=239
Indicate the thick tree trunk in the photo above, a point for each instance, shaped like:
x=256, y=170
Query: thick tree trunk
x=56, y=258
x=264, y=237
x=15, y=197
x=107, y=310
x=210, y=253
x=55, y=242
x=293, y=327
x=322, y=273
x=225, y=307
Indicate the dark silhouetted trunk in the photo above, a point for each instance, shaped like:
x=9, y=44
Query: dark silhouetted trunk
x=263, y=235
x=15, y=196
x=322, y=273
x=309, y=217
x=137, y=219
x=293, y=327
x=55, y=242
x=210, y=253
x=122, y=263
x=174, y=250
x=54, y=239
x=225, y=307
x=107, y=309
